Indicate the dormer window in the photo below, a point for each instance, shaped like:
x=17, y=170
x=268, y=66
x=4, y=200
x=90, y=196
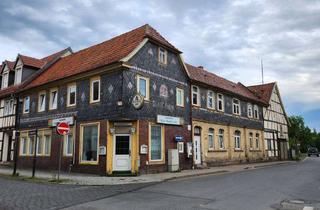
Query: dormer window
x=162, y=56
x=5, y=79
x=18, y=75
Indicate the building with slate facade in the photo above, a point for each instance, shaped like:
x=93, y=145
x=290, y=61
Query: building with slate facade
x=129, y=102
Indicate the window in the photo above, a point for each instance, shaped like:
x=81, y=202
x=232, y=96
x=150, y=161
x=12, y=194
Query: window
x=210, y=99
x=221, y=138
x=47, y=144
x=156, y=143
x=251, y=140
x=211, y=139
x=143, y=86
x=23, y=146
x=256, y=112
x=95, y=90
x=220, y=102
x=8, y=107
x=269, y=145
x=68, y=144
x=26, y=104
x=40, y=145
x=236, y=106
x=72, y=95
x=89, y=143
x=195, y=96
x=257, y=141
x=5, y=80
x=250, y=110
x=180, y=147
x=237, y=139
x=53, y=99
x=162, y=56
x=179, y=97
x=18, y=75
x=42, y=101
x=31, y=145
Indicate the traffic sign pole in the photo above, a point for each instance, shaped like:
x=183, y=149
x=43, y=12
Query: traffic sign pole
x=35, y=154
x=63, y=130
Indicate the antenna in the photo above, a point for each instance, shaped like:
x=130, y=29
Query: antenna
x=262, y=70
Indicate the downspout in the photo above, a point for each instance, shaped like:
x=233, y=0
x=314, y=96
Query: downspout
x=17, y=123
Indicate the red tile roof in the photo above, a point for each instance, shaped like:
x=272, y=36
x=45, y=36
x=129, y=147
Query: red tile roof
x=33, y=62
x=200, y=75
x=264, y=91
x=99, y=55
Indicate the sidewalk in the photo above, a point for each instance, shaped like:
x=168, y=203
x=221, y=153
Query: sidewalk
x=89, y=179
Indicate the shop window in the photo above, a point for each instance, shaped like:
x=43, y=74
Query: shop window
x=26, y=104
x=195, y=95
x=237, y=139
x=40, y=145
x=179, y=97
x=210, y=100
x=220, y=99
x=221, y=138
x=211, y=139
x=143, y=86
x=42, y=101
x=236, y=106
x=72, y=95
x=68, y=144
x=95, y=90
x=47, y=145
x=53, y=99
x=156, y=139
x=23, y=146
x=89, y=143
x=31, y=145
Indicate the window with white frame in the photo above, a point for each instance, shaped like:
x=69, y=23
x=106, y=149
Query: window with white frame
x=180, y=147
x=26, y=104
x=236, y=106
x=31, y=145
x=23, y=146
x=6, y=110
x=251, y=140
x=237, y=139
x=5, y=80
x=95, y=90
x=47, y=144
x=18, y=75
x=143, y=86
x=90, y=142
x=179, y=97
x=210, y=100
x=53, y=99
x=162, y=56
x=211, y=138
x=42, y=101
x=40, y=145
x=256, y=112
x=250, y=112
x=221, y=138
x=68, y=144
x=156, y=139
x=257, y=141
x=195, y=95
x=72, y=95
x=220, y=99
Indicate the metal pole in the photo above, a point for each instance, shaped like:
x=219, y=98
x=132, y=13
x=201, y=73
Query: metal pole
x=16, y=140
x=35, y=154
x=60, y=157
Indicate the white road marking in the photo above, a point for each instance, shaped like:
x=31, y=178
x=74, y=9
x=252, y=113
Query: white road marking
x=308, y=208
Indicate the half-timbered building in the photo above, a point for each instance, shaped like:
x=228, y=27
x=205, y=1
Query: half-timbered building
x=275, y=121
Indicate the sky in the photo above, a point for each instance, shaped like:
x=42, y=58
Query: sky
x=228, y=38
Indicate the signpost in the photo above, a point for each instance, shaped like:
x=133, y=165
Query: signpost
x=34, y=133
x=63, y=129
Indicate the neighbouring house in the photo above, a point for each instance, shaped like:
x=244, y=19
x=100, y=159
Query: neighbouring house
x=15, y=75
x=227, y=120
x=275, y=121
x=126, y=99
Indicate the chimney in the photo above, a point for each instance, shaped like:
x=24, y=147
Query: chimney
x=200, y=67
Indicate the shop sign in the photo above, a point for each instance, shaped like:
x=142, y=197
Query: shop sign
x=55, y=122
x=168, y=120
x=179, y=138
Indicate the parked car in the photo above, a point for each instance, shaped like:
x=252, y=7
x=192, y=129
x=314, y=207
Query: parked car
x=313, y=151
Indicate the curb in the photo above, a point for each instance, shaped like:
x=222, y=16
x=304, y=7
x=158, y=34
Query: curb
x=195, y=175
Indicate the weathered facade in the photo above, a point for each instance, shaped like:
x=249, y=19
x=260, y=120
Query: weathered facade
x=275, y=121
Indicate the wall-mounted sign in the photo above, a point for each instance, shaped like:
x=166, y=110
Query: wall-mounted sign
x=143, y=149
x=137, y=101
x=102, y=150
x=55, y=122
x=169, y=120
x=178, y=138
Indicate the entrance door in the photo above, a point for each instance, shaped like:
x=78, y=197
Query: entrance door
x=197, y=150
x=121, y=154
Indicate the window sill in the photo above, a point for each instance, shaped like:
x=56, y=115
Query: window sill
x=156, y=162
x=217, y=150
x=94, y=102
x=179, y=106
x=89, y=163
x=255, y=150
x=238, y=150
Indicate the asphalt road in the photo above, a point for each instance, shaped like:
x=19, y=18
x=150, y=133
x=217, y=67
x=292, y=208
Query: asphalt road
x=258, y=189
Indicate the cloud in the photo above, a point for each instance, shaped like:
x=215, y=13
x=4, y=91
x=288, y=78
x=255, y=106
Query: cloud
x=227, y=37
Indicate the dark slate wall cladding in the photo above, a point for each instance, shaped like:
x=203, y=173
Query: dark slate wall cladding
x=26, y=73
x=169, y=75
x=227, y=117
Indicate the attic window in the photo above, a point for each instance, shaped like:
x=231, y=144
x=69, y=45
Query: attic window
x=162, y=58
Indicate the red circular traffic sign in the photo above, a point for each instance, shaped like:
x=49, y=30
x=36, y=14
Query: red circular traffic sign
x=63, y=128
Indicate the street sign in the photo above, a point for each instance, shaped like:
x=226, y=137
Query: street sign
x=63, y=128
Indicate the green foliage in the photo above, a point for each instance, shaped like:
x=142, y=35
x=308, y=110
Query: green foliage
x=301, y=134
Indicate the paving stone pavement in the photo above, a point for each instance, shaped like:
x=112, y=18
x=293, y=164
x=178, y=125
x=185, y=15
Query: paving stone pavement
x=16, y=194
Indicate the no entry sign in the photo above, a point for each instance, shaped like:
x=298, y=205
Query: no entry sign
x=63, y=128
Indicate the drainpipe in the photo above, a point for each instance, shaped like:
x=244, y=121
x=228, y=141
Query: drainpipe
x=17, y=122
